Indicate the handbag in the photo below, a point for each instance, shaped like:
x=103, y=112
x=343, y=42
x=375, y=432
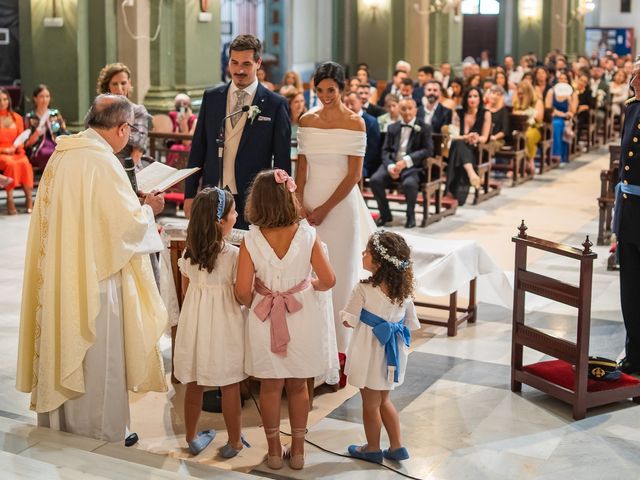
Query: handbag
x=567, y=133
x=40, y=154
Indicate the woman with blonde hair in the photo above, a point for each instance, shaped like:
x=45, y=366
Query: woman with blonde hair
x=528, y=102
x=291, y=81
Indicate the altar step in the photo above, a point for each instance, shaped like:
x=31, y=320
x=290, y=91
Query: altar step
x=30, y=452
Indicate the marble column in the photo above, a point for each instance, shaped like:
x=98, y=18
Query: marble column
x=66, y=57
x=185, y=57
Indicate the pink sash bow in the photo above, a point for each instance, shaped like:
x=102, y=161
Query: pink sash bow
x=276, y=305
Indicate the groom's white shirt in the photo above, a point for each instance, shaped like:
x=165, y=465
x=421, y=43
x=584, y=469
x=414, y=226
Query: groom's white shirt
x=234, y=134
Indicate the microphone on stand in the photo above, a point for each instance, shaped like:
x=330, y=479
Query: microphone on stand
x=220, y=142
x=130, y=168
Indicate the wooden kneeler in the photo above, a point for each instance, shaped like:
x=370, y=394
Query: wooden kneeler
x=566, y=378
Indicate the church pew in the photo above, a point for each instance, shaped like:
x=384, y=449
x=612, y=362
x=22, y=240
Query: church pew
x=514, y=152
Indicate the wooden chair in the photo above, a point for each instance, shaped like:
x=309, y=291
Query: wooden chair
x=514, y=152
x=588, y=129
x=566, y=380
x=574, y=147
x=606, y=200
x=547, y=161
x=606, y=126
x=488, y=188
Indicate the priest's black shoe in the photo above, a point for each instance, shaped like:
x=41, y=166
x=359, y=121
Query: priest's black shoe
x=626, y=366
x=411, y=223
x=131, y=440
x=382, y=221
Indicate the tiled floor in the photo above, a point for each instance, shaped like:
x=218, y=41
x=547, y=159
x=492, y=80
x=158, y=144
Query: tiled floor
x=459, y=418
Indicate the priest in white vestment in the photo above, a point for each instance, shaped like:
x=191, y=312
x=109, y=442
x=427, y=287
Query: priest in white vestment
x=91, y=313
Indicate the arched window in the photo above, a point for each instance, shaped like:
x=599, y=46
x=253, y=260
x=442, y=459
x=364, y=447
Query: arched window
x=481, y=7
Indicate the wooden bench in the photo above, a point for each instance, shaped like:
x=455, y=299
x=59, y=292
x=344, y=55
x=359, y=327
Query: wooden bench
x=547, y=160
x=566, y=379
x=606, y=200
x=515, y=153
x=488, y=188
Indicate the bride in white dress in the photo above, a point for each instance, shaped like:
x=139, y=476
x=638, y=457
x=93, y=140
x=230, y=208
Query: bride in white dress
x=331, y=145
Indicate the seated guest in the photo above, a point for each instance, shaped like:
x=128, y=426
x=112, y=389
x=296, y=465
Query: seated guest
x=600, y=91
x=115, y=78
x=500, y=125
x=45, y=124
x=13, y=161
x=262, y=78
x=406, y=88
x=619, y=89
x=372, y=152
x=526, y=102
x=473, y=81
x=474, y=123
x=352, y=86
x=393, y=86
x=184, y=121
x=295, y=99
x=564, y=107
x=586, y=100
x=509, y=88
x=541, y=81
x=364, y=92
x=455, y=94
x=444, y=75
x=425, y=74
x=392, y=107
x=487, y=83
x=431, y=111
x=407, y=146
x=363, y=76
x=290, y=81
x=310, y=97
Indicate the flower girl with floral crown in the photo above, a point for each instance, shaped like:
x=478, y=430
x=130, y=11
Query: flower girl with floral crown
x=382, y=312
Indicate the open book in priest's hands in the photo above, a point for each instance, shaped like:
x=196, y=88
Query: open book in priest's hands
x=158, y=176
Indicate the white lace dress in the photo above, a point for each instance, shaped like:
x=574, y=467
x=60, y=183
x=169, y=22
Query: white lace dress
x=311, y=351
x=346, y=229
x=366, y=360
x=209, y=347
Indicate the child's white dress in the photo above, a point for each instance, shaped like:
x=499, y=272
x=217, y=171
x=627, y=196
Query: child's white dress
x=209, y=346
x=312, y=349
x=366, y=364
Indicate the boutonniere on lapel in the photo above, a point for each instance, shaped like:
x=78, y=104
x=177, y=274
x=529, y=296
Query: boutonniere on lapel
x=253, y=112
x=417, y=128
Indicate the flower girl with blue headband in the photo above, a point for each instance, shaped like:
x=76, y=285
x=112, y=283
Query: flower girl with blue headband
x=209, y=346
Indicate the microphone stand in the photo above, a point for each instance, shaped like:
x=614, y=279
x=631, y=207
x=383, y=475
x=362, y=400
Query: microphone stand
x=220, y=142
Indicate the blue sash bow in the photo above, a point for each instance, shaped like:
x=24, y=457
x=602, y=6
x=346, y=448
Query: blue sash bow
x=386, y=333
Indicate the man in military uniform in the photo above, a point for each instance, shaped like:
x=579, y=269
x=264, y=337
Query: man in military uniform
x=627, y=225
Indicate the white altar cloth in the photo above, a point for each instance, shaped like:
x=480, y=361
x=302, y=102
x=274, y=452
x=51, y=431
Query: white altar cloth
x=444, y=266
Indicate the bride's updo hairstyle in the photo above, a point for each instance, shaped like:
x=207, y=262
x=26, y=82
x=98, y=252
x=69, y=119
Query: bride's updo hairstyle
x=331, y=70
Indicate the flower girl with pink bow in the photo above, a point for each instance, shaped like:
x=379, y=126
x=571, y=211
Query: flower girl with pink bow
x=290, y=333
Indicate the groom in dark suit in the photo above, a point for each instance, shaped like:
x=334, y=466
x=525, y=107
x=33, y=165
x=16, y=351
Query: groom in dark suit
x=407, y=146
x=254, y=140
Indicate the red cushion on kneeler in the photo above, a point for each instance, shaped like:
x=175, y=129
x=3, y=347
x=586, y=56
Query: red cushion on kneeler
x=174, y=197
x=561, y=373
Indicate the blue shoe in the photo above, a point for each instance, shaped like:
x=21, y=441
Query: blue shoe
x=227, y=451
x=202, y=440
x=398, y=454
x=374, y=457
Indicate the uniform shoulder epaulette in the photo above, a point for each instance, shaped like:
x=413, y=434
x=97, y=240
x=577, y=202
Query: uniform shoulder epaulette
x=631, y=100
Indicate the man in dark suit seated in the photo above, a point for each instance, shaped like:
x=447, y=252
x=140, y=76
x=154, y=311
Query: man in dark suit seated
x=407, y=146
x=431, y=111
x=425, y=74
x=372, y=153
x=364, y=92
x=256, y=137
x=393, y=86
